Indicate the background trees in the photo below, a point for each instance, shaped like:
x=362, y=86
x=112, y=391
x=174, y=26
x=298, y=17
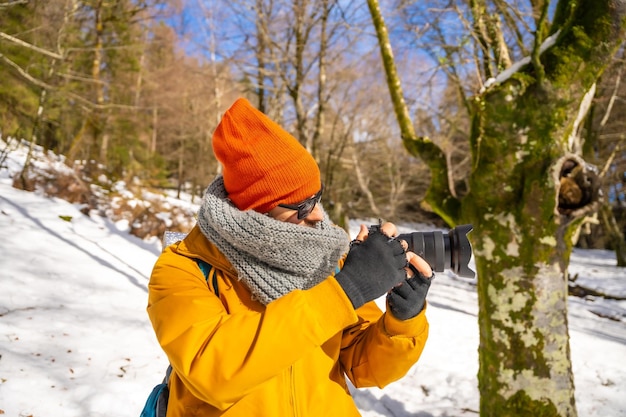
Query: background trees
x=139, y=87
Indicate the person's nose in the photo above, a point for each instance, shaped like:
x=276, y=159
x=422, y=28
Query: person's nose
x=316, y=215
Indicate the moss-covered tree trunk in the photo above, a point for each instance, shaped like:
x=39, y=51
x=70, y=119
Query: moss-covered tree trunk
x=522, y=248
x=529, y=190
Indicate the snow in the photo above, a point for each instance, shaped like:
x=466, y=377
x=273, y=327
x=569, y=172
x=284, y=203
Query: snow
x=509, y=72
x=75, y=339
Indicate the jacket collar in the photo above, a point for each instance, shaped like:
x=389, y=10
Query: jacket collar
x=196, y=245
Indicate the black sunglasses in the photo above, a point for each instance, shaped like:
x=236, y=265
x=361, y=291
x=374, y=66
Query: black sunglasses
x=305, y=207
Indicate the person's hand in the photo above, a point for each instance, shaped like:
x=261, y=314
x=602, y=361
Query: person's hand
x=372, y=267
x=407, y=300
x=386, y=228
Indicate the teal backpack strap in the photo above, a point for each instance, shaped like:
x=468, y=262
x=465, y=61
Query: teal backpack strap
x=206, y=268
x=168, y=372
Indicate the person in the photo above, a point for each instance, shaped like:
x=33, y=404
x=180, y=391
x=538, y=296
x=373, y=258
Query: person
x=294, y=311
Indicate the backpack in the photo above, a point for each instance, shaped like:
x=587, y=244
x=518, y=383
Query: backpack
x=156, y=404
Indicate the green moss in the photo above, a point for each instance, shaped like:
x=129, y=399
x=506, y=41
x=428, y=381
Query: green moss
x=521, y=401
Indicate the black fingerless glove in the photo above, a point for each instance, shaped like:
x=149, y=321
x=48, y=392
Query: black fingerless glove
x=372, y=268
x=407, y=300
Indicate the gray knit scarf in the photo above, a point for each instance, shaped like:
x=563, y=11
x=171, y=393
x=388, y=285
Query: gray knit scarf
x=271, y=257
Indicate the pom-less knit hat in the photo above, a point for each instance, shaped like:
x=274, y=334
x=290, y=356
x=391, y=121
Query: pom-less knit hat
x=263, y=164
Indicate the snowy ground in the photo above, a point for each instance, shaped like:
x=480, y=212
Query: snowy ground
x=75, y=339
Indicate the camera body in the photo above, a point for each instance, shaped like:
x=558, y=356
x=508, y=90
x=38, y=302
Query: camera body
x=443, y=251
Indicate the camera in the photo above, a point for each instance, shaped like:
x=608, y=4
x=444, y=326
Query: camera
x=443, y=251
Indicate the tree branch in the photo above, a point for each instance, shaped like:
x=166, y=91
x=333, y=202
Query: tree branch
x=539, y=15
x=24, y=74
x=609, y=108
x=498, y=44
x=609, y=161
x=74, y=96
x=438, y=196
x=480, y=32
x=535, y=57
x=363, y=184
x=12, y=3
x=29, y=46
x=505, y=75
x=511, y=16
x=393, y=80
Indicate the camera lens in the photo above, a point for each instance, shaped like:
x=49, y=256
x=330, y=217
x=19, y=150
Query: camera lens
x=443, y=251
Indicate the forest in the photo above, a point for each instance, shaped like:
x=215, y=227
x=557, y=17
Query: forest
x=139, y=86
x=508, y=115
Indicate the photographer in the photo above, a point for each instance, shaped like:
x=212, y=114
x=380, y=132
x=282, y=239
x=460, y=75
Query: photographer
x=287, y=311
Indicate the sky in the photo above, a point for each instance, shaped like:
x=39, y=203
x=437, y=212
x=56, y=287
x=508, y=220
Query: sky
x=75, y=339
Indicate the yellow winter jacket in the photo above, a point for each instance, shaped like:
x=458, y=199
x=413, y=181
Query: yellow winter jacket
x=233, y=356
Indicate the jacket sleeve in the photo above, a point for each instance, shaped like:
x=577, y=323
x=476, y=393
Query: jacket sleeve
x=381, y=349
x=221, y=357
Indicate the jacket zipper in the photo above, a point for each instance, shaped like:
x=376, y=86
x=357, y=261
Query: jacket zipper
x=292, y=386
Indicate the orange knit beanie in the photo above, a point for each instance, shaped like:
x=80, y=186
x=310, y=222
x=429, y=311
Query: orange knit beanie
x=263, y=164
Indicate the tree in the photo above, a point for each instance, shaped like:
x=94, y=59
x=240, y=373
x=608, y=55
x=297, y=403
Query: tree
x=529, y=187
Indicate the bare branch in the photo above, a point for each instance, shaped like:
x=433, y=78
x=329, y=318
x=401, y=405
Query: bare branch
x=363, y=184
x=498, y=44
x=538, y=43
x=609, y=161
x=609, y=108
x=539, y=11
x=24, y=74
x=438, y=194
x=45, y=86
x=479, y=30
x=574, y=140
x=505, y=75
x=12, y=3
x=95, y=106
x=511, y=16
x=393, y=79
x=29, y=46
x=80, y=78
